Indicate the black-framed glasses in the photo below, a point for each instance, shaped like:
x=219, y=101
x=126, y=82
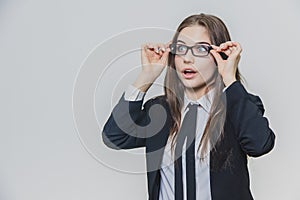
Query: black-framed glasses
x=199, y=50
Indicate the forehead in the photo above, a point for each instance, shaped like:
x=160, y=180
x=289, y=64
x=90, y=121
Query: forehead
x=194, y=34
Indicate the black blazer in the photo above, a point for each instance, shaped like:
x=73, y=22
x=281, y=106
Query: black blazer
x=246, y=132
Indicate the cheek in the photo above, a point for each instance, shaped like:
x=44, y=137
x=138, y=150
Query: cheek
x=206, y=66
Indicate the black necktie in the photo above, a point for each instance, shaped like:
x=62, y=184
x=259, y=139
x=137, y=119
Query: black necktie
x=187, y=130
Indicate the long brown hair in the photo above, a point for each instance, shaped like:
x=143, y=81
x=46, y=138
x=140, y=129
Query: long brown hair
x=174, y=89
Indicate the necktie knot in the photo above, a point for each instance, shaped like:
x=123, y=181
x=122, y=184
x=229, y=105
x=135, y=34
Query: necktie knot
x=192, y=105
x=192, y=110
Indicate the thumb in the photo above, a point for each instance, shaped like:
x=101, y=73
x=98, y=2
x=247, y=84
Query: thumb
x=216, y=55
x=164, y=57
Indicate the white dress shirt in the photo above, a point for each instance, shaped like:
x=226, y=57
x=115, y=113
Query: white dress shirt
x=167, y=182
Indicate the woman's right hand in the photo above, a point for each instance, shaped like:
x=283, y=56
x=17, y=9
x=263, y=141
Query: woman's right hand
x=153, y=63
x=154, y=58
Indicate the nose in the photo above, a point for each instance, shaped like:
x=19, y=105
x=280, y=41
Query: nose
x=188, y=57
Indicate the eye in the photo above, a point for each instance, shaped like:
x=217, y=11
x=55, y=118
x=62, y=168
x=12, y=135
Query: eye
x=201, y=48
x=181, y=48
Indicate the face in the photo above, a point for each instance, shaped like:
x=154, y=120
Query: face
x=203, y=68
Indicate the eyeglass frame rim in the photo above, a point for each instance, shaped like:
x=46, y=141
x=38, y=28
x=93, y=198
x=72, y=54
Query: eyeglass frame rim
x=191, y=48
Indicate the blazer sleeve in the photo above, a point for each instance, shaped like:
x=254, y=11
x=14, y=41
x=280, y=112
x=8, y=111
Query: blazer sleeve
x=125, y=127
x=245, y=111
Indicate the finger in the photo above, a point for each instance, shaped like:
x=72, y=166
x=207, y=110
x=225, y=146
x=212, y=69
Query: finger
x=238, y=46
x=148, y=50
x=233, y=45
x=165, y=53
x=236, y=49
x=236, y=52
x=155, y=48
x=165, y=56
x=231, y=51
x=214, y=47
x=229, y=48
x=228, y=51
x=225, y=45
x=161, y=48
x=167, y=46
x=144, y=48
x=151, y=48
x=150, y=45
x=216, y=55
x=144, y=53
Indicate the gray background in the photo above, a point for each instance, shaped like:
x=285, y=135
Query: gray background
x=44, y=44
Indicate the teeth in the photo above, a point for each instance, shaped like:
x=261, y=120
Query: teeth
x=188, y=70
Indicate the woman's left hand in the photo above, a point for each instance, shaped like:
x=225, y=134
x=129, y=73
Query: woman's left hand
x=227, y=68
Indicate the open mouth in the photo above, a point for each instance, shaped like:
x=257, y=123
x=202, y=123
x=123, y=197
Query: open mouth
x=189, y=73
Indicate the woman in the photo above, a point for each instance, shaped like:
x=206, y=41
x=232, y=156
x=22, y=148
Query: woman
x=229, y=123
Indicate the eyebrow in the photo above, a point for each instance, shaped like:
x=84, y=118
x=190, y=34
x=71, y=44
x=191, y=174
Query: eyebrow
x=195, y=43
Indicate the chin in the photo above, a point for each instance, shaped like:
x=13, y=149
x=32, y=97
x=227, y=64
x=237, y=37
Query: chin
x=194, y=84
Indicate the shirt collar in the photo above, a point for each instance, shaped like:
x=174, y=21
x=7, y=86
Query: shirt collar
x=205, y=101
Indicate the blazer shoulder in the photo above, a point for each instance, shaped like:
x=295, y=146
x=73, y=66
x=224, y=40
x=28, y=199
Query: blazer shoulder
x=161, y=99
x=236, y=91
x=157, y=99
x=258, y=102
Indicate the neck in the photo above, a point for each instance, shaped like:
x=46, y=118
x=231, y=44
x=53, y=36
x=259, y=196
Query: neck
x=196, y=93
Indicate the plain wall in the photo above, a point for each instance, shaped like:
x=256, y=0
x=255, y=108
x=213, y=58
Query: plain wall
x=53, y=105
